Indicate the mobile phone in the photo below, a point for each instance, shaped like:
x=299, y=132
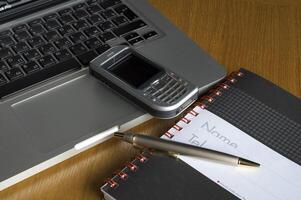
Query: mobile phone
x=157, y=90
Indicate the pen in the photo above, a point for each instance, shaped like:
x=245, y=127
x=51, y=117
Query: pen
x=183, y=149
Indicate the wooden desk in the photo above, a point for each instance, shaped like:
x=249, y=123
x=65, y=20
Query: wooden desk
x=261, y=35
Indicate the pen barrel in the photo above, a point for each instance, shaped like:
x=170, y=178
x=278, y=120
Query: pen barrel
x=184, y=149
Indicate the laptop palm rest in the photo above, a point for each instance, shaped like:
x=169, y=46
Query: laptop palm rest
x=70, y=112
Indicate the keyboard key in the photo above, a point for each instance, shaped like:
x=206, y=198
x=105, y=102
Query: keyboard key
x=38, y=76
x=92, y=43
x=47, y=48
x=36, y=41
x=89, y=2
x=94, y=19
x=4, y=41
x=80, y=14
x=62, y=43
x=50, y=16
x=3, y=66
x=106, y=25
x=52, y=24
x=35, y=22
x=5, y=53
x=78, y=49
x=77, y=37
x=63, y=54
x=19, y=47
x=80, y=24
x=87, y=57
x=14, y=73
x=108, y=14
x=15, y=60
x=31, y=67
x=66, y=19
x=5, y=33
x=65, y=11
x=150, y=34
x=91, y=31
x=47, y=61
x=21, y=27
x=37, y=29
x=31, y=54
x=119, y=20
x=131, y=35
x=22, y=35
x=130, y=15
x=129, y=27
x=52, y=36
x=103, y=48
x=109, y=3
x=136, y=40
x=106, y=36
x=2, y=80
x=79, y=6
x=94, y=8
x=123, y=9
x=67, y=29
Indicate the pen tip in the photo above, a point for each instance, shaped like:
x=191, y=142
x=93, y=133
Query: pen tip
x=245, y=162
x=124, y=136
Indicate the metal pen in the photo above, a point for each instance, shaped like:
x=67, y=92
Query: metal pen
x=183, y=149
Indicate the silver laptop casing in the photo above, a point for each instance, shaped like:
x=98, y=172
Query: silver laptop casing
x=59, y=118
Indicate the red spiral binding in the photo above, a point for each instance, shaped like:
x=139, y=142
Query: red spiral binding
x=194, y=113
x=185, y=120
x=168, y=134
x=217, y=91
x=111, y=183
x=142, y=158
x=208, y=98
x=177, y=127
x=122, y=175
x=131, y=166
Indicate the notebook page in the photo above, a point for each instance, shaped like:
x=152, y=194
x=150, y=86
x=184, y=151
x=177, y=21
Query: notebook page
x=278, y=178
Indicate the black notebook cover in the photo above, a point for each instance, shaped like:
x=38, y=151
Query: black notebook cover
x=247, y=101
x=163, y=177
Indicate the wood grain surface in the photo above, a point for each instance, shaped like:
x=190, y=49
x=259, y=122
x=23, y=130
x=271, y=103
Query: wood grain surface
x=263, y=36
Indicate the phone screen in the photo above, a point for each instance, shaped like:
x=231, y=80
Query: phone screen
x=134, y=70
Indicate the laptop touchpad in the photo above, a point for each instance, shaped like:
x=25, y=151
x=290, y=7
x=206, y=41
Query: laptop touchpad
x=67, y=113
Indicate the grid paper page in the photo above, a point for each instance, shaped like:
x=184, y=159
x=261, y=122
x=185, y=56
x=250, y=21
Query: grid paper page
x=278, y=178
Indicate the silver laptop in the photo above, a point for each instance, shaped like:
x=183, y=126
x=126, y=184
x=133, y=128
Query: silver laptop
x=51, y=108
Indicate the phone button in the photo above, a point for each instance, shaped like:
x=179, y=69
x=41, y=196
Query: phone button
x=158, y=84
x=177, y=96
x=148, y=91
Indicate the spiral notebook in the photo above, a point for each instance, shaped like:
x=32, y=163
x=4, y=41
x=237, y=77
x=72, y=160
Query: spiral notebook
x=243, y=114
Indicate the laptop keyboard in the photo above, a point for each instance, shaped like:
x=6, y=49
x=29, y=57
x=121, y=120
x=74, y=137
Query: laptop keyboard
x=65, y=40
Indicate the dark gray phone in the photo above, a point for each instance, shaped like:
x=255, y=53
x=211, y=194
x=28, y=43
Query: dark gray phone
x=156, y=89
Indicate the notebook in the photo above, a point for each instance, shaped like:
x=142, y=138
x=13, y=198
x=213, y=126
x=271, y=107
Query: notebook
x=243, y=115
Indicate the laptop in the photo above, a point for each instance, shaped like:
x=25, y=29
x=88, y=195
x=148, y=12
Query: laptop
x=51, y=108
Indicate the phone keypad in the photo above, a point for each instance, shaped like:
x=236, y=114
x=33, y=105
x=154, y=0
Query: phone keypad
x=168, y=89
